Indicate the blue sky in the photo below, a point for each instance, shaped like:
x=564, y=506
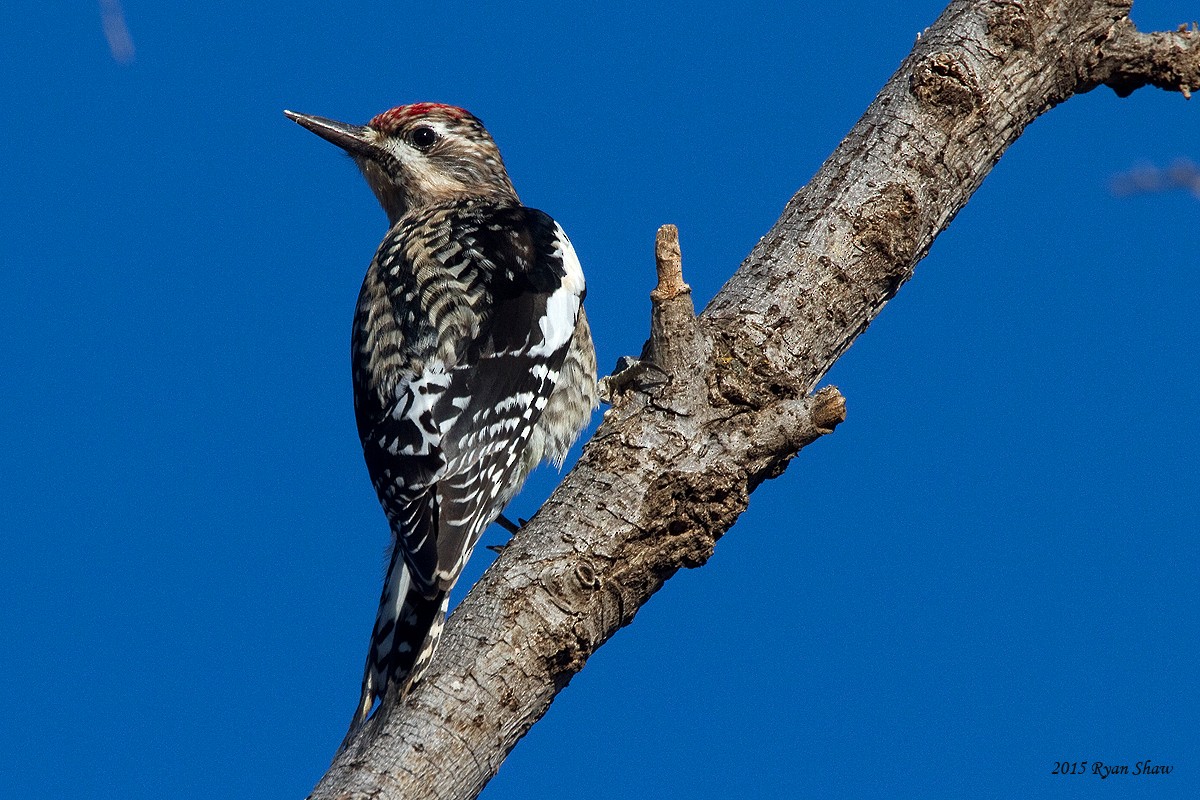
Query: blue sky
x=990, y=567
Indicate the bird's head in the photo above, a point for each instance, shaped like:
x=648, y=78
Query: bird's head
x=419, y=154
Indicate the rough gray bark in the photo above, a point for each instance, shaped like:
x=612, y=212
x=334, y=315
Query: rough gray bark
x=673, y=464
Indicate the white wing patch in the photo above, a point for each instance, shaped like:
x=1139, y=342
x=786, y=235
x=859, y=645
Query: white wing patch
x=562, y=307
x=573, y=280
x=558, y=323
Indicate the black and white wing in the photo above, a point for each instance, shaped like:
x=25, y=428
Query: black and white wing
x=463, y=325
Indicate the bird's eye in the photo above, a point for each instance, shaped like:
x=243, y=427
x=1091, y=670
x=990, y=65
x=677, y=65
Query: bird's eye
x=423, y=138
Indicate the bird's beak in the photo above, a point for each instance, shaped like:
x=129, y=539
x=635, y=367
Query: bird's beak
x=357, y=140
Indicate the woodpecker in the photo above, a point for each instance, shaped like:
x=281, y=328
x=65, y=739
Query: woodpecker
x=471, y=356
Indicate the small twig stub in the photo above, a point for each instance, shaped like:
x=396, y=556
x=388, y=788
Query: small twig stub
x=669, y=262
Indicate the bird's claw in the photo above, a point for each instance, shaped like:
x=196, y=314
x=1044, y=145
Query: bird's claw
x=632, y=373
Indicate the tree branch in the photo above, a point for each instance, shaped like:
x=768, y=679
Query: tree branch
x=1130, y=60
x=673, y=465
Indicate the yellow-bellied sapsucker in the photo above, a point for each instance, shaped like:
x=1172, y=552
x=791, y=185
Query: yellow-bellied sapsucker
x=471, y=356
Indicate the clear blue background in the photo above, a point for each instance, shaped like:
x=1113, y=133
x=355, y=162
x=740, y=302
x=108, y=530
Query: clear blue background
x=990, y=567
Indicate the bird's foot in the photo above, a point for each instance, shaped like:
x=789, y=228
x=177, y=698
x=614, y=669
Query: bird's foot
x=511, y=527
x=632, y=373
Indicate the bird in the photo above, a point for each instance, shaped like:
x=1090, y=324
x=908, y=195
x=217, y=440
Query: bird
x=471, y=357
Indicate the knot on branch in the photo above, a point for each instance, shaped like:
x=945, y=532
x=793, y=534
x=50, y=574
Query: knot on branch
x=570, y=589
x=888, y=225
x=740, y=375
x=942, y=83
x=691, y=510
x=1008, y=25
